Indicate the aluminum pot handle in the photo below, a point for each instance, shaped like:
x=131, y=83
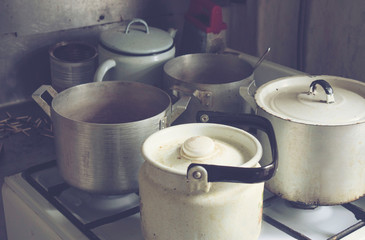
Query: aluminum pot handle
x=179, y=107
x=38, y=97
x=176, y=110
x=238, y=174
x=247, y=93
x=330, y=98
x=205, y=97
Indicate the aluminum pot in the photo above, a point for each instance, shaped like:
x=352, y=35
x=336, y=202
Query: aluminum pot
x=99, y=128
x=213, y=80
x=319, y=123
x=135, y=52
x=204, y=181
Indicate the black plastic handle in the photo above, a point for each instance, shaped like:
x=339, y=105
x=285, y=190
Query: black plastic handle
x=239, y=174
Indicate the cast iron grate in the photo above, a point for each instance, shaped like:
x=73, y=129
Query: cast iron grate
x=52, y=192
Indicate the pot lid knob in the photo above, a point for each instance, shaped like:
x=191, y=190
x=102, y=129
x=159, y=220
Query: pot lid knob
x=197, y=147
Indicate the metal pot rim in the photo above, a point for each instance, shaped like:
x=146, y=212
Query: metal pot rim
x=64, y=93
x=175, y=66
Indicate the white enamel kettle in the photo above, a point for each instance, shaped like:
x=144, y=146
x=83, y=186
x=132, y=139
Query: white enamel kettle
x=134, y=52
x=204, y=180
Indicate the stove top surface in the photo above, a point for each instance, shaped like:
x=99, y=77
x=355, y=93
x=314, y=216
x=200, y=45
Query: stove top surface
x=98, y=216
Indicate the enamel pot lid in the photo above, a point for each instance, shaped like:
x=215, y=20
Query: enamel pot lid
x=137, y=38
x=315, y=100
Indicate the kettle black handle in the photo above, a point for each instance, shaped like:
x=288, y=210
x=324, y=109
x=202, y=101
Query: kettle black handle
x=238, y=174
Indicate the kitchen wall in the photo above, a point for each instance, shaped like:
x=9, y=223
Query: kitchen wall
x=29, y=28
x=315, y=36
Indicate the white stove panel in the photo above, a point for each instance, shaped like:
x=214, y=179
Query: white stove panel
x=319, y=223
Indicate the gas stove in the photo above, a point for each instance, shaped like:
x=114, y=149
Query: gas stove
x=46, y=207
x=39, y=205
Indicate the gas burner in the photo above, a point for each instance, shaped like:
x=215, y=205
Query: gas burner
x=75, y=198
x=320, y=222
x=85, y=207
x=301, y=205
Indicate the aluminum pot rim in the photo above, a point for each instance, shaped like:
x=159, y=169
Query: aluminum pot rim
x=176, y=60
x=112, y=125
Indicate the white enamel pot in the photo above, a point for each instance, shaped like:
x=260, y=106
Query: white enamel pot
x=319, y=122
x=135, y=52
x=203, y=181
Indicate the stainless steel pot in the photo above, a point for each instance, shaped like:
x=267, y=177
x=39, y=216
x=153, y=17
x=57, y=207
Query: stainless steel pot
x=99, y=129
x=211, y=79
x=319, y=122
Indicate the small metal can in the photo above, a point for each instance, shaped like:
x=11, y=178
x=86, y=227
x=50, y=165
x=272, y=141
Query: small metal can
x=72, y=63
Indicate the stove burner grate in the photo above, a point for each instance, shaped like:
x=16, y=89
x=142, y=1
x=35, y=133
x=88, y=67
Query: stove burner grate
x=51, y=194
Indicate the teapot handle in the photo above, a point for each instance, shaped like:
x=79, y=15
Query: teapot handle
x=238, y=174
x=103, y=69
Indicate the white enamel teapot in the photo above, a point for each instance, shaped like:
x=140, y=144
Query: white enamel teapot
x=134, y=52
x=204, y=181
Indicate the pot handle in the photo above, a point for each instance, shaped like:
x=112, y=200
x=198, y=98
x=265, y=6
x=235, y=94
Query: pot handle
x=330, y=98
x=103, y=69
x=247, y=93
x=179, y=107
x=176, y=110
x=38, y=97
x=137, y=20
x=204, y=97
x=238, y=174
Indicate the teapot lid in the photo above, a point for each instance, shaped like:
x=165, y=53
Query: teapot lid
x=136, y=39
x=174, y=148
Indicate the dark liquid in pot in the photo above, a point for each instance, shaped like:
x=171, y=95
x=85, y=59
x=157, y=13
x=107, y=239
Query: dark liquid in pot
x=111, y=103
x=114, y=113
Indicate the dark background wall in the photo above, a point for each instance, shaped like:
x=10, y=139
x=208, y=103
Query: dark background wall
x=315, y=36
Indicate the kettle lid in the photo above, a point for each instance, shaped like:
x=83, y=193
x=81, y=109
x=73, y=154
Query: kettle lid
x=137, y=39
x=174, y=148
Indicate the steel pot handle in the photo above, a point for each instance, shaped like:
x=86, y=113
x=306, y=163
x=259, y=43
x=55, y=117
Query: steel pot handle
x=37, y=96
x=238, y=174
x=176, y=110
x=204, y=97
x=330, y=98
x=137, y=20
x=179, y=107
x=247, y=93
